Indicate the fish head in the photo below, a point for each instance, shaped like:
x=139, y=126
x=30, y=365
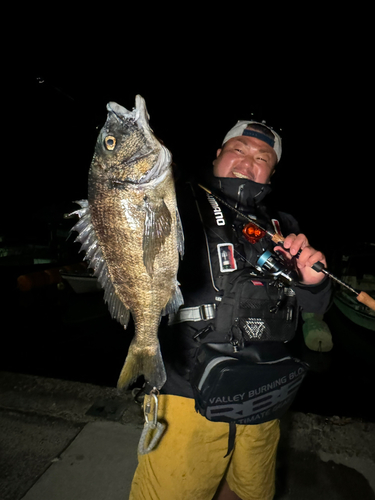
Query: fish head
x=127, y=150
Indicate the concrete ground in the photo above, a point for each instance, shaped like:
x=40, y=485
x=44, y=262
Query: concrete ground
x=64, y=440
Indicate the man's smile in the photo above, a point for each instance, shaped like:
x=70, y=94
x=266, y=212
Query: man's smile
x=240, y=175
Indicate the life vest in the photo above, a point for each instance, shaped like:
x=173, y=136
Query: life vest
x=248, y=305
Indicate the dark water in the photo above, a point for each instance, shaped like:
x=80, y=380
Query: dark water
x=58, y=333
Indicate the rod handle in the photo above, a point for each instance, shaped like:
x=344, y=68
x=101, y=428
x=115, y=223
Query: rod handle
x=365, y=298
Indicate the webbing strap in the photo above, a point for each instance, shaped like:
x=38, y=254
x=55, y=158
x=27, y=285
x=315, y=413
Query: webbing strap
x=204, y=312
x=231, y=437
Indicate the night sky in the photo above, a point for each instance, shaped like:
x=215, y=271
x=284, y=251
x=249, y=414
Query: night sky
x=321, y=100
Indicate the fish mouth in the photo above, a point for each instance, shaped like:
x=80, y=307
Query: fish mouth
x=139, y=113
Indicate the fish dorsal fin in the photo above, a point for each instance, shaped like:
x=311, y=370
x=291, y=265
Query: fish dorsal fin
x=157, y=228
x=94, y=256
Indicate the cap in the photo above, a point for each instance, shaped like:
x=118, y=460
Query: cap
x=241, y=129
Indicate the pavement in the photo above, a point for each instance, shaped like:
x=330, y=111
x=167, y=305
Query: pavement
x=64, y=440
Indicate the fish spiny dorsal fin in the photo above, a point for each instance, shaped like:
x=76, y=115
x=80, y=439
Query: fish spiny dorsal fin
x=93, y=254
x=157, y=228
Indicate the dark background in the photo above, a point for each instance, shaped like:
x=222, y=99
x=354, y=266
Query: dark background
x=312, y=80
x=319, y=94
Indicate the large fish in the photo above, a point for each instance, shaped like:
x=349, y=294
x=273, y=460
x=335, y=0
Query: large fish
x=131, y=232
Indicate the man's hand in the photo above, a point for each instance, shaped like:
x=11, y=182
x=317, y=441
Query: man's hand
x=307, y=258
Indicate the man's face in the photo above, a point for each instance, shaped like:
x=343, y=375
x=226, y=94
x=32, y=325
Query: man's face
x=245, y=158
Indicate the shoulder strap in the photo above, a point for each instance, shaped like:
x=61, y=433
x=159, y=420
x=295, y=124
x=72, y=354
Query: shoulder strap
x=223, y=257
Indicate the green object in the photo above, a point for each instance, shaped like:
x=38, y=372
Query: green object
x=316, y=332
x=354, y=310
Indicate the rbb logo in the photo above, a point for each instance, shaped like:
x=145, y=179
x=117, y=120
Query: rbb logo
x=261, y=403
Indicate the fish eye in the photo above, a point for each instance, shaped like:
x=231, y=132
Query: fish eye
x=110, y=142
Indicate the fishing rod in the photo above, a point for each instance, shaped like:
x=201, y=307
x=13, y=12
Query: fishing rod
x=253, y=232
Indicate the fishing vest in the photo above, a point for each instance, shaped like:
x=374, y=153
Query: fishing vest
x=248, y=305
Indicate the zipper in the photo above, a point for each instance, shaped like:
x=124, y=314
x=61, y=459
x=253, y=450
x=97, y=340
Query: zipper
x=214, y=362
x=239, y=195
x=260, y=192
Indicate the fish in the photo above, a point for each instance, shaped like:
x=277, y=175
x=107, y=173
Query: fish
x=130, y=230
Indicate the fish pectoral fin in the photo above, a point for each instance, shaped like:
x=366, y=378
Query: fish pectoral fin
x=180, y=235
x=157, y=228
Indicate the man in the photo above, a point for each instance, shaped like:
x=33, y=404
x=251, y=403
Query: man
x=193, y=459
x=251, y=158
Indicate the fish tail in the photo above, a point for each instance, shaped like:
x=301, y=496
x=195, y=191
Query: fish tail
x=142, y=362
